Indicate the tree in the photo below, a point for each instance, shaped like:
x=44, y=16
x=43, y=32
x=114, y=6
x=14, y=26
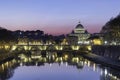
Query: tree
x=111, y=30
x=6, y=35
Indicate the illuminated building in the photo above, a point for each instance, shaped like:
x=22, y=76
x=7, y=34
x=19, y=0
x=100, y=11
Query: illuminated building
x=73, y=40
x=81, y=34
x=95, y=40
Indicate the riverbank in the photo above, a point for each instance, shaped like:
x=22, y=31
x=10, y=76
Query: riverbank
x=101, y=60
x=108, y=51
x=7, y=56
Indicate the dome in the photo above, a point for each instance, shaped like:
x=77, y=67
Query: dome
x=79, y=26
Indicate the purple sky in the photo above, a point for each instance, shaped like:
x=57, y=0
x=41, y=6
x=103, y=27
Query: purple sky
x=57, y=16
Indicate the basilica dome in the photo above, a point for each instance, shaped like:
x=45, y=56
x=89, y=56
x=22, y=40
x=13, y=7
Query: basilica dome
x=79, y=26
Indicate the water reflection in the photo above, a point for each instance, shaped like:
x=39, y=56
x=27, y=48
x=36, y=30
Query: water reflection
x=7, y=69
x=42, y=58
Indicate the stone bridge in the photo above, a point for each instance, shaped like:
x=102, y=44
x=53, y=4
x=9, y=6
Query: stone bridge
x=51, y=47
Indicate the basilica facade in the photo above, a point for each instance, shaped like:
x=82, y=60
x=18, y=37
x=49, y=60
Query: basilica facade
x=80, y=34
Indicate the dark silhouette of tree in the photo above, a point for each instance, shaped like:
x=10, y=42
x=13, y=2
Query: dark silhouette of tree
x=58, y=39
x=111, y=30
x=6, y=35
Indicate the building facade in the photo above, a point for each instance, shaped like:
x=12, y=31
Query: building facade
x=81, y=34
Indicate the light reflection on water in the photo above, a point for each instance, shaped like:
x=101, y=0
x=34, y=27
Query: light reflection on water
x=54, y=66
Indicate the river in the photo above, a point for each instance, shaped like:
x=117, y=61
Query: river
x=46, y=65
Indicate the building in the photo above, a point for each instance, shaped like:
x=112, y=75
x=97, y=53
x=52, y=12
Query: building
x=72, y=40
x=81, y=34
x=95, y=40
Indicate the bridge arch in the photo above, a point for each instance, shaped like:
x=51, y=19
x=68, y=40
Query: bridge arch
x=85, y=48
x=67, y=48
x=34, y=48
x=50, y=48
x=20, y=48
x=75, y=47
x=59, y=47
x=42, y=47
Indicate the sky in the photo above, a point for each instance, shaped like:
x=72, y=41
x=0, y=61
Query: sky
x=57, y=16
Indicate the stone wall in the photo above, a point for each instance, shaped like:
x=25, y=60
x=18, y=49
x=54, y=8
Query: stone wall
x=107, y=51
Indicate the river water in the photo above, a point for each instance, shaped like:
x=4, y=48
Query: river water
x=37, y=65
